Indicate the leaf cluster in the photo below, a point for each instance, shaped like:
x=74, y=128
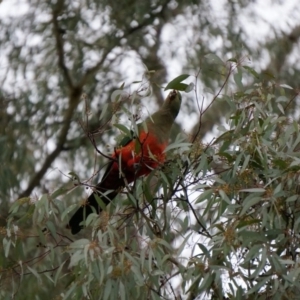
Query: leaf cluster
x=218, y=219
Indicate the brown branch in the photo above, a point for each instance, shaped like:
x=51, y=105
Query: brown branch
x=92, y=140
x=93, y=70
x=60, y=44
x=35, y=181
x=213, y=100
x=281, y=48
x=74, y=98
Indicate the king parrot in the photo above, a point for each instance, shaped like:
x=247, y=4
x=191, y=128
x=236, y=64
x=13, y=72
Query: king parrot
x=138, y=157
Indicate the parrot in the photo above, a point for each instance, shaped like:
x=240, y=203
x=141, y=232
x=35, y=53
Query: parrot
x=137, y=158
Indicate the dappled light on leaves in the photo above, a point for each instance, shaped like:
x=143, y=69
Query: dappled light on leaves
x=219, y=218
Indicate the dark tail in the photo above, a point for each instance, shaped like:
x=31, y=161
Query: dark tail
x=107, y=189
x=90, y=206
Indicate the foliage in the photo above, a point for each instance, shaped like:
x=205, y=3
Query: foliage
x=219, y=220
x=234, y=202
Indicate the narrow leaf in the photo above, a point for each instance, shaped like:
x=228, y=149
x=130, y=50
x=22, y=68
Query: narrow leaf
x=176, y=84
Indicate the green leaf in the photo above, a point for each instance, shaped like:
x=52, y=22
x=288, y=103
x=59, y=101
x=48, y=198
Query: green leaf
x=74, y=176
x=286, y=86
x=251, y=200
x=190, y=87
x=204, y=250
x=107, y=289
x=230, y=158
x=292, y=198
x=245, y=223
x=253, y=252
x=233, y=60
x=261, y=283
x=226, y=136
x=79, y=244
x=68, y=210
x=280, y=163
x=124, y=129
x=41, y=209
x=238, y=79
x=90, y=219
x=213, y=59
x=122, y=291
x=59, y=192
x=245, y=164
x=35, y=273
x=206, y=281
x=253, y=190
x=104, y=108
x=237, y=162
x=239, y=293
x=177, y=145
x=176, y=84
x=206, y=195
x=248, y=237
x=70, y=291
x=6, y=245
x=17, y=204
x=117, y=95
x=183, y=244
x=195, y=283
x=261, y=264
x=164, y=243
x=100, y=201
x=56, y=277
x=51, y=228
x=277, y=189
x=252, y=72
x=224, y=196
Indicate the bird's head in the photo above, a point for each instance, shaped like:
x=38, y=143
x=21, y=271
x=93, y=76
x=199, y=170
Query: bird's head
x=173, y=103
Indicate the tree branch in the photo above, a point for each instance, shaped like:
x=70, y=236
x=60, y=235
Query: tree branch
x=35, y=181
x=60, y=44
x=74, y=98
